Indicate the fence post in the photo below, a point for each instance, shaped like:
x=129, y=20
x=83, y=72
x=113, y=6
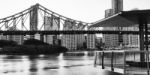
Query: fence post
x=112, y=56
x=124, y=66
x=103, y=60
x=147, y=62
x=95, y=59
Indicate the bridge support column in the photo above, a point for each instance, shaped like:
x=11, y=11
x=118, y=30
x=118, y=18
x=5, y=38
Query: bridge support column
x=34, y=19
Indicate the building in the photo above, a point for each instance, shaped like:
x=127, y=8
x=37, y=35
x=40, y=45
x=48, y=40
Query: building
x=109, y=12
x=37, y=36
x=80, y=37
x=51, y=23
x=130, y=40
x=91, y=45
x=110, y=40
x=3, y=37
x=114, y=40
x=69, y=41
x=73, y=41
x=17, y=38
x=117, y=6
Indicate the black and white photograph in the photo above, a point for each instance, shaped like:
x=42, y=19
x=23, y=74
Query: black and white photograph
x=74, y=37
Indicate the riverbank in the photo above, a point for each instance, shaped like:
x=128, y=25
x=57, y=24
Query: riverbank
x=32, y=49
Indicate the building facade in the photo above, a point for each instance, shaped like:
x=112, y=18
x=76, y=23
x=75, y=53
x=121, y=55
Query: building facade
x=73, y=41
x=17, y=38
x=80, y=37
x=130, y=40
x=91, y=45
x=117, y=6
x=114, y=40
x=69, y=41
x=51, y=23
x=110, y=40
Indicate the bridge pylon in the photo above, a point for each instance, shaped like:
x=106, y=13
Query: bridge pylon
x=34, y=19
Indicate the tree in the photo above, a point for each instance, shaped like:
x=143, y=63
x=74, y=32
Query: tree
x=4, y=43
x=34, y=42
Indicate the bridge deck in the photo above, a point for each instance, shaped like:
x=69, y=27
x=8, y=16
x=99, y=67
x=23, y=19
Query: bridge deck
x=67, y=32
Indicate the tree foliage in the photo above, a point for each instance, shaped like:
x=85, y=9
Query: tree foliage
x=30, y=47
x=4, y=43
x=34, y=42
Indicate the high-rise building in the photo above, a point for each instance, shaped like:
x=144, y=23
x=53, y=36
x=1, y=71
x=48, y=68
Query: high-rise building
x=51, y=23
x=3, y=37
x=80, y=37
x=110, y=40
x=90, y=40
x=113, y=40
x=17, y=38
x=109, y=12
x=117, y=6
x=69, y=41
x=73, y=41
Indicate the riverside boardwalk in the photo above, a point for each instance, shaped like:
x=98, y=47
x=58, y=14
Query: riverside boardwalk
x=124, y=61
x=113, y=61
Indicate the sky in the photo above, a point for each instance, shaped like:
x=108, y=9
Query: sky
x=82, y=10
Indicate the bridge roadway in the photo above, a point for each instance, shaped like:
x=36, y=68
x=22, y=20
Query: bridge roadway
x=67, y=32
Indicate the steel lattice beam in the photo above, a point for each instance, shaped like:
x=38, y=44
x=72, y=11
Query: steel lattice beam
x=67, y=32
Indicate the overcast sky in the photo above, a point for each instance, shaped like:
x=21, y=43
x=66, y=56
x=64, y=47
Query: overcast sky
x=83, y=10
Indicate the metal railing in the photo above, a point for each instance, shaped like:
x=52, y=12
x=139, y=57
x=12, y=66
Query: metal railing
x=124, y=60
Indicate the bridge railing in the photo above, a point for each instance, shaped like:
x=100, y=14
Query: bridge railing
x=127, y=62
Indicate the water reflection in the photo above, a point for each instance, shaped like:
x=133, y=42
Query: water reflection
x=47, y=65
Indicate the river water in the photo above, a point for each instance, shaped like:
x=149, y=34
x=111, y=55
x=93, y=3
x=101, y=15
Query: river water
x=48, y=65
x=41, y=64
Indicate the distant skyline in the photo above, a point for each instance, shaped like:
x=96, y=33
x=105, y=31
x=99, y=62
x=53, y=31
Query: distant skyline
x=82, y=10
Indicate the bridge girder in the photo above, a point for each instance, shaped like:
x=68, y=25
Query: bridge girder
x=67, y=32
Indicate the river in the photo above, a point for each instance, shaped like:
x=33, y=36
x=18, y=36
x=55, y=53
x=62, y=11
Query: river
x=47, y=65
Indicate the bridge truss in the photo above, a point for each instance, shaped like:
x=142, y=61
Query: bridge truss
x=35, y=18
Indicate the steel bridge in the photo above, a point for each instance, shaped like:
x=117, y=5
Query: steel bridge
x=48, y=24
x=37, y=18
